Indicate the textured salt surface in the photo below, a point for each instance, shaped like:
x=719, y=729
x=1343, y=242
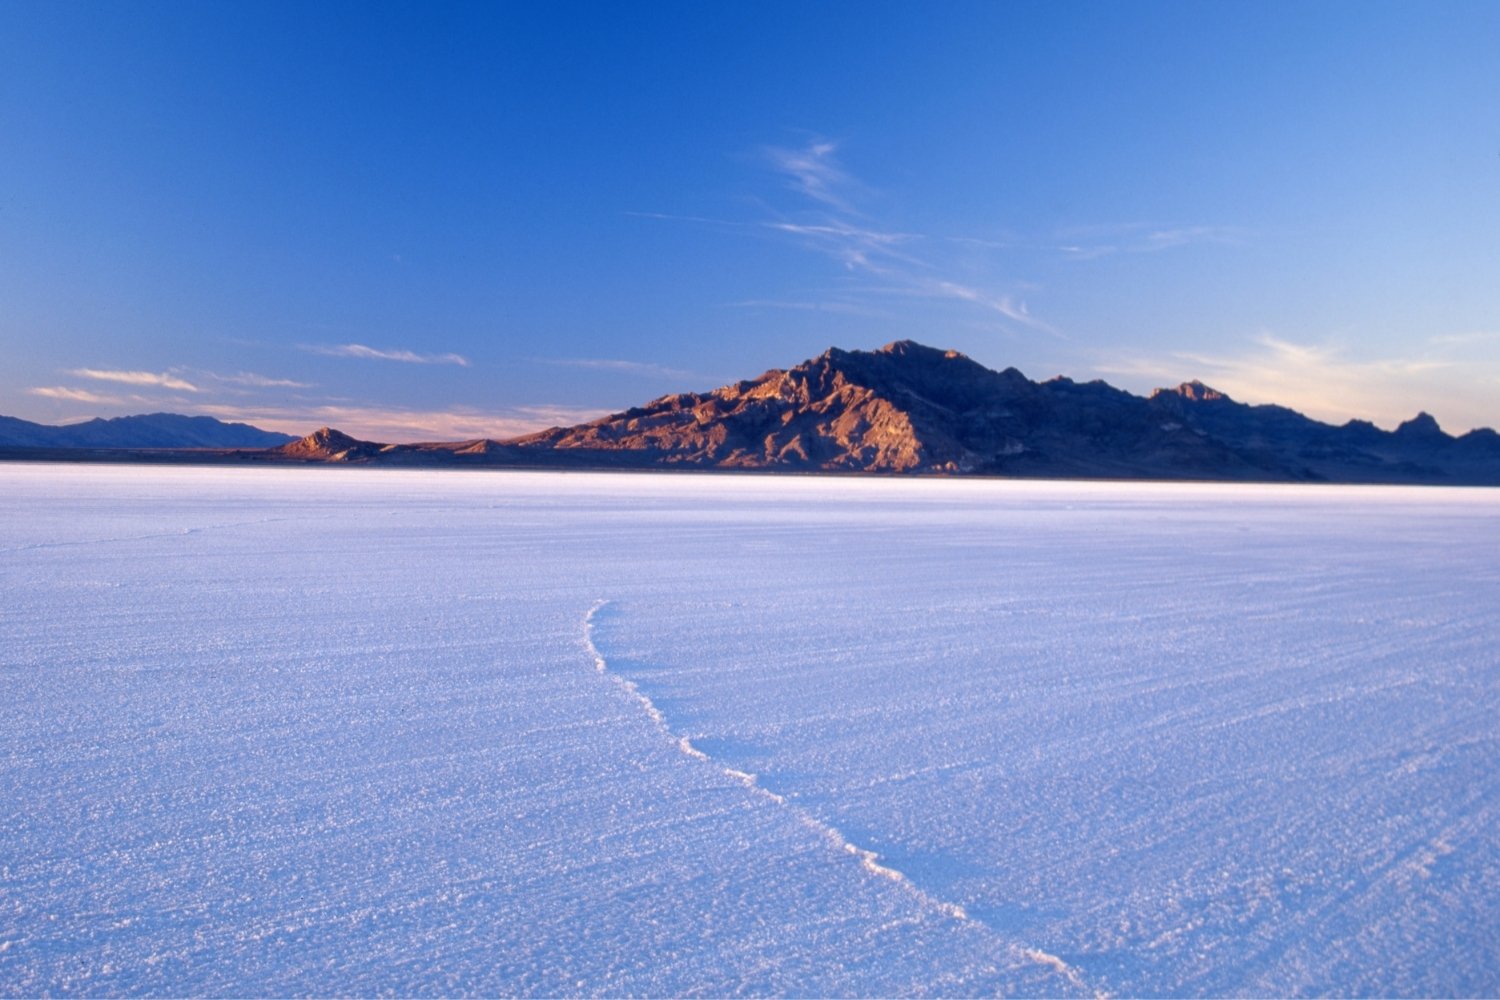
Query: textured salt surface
x=330, y=731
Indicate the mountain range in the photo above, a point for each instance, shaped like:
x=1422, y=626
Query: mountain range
x=912, y=409
x=151, y=430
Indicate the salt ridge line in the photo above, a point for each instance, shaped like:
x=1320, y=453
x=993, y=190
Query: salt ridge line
x=868, y=860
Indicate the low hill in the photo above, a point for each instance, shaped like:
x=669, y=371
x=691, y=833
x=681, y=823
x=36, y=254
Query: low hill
x=328, y=445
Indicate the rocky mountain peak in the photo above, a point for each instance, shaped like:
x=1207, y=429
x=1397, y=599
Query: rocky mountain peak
x=328, y=444
x=1422, y=425
x=1194, y=391
x=914, y=350
x=328, y=437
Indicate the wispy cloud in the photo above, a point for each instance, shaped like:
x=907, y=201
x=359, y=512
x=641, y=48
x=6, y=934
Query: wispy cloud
x=858, y=248
x=1094, y=242
x=1471, y=337
x=699, y=219
x=813, y=170
x=71, y=395
x=365, y=420
x=902, y=263
x=1326, y=381
x=378, y=354
x=989, y=244
x=543, y=416
x=836, y=306
x=400, y=425
x=164, y=380
x=643, y=368
x=1008, y=306
x=829, y=216
x=255, y=381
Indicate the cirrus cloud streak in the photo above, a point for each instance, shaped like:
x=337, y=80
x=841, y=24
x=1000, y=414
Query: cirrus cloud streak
x=379, y=354
x=162, y=380
x=645, y=369
x=72, y=395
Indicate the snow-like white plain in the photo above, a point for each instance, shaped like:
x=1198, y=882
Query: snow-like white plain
x=318, y=731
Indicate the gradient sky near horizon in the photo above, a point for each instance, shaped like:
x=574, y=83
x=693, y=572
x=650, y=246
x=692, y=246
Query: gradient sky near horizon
x=447, y=221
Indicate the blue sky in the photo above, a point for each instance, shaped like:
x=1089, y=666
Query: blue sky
x=414, y=221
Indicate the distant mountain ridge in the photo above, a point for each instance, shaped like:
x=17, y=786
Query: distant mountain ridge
x=151, y=430
x=911, y=409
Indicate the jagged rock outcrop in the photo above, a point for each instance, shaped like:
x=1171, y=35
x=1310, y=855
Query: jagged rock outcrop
x=1195, y=391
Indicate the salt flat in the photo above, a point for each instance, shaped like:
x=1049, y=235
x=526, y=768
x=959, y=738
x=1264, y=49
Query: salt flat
x=360, y=732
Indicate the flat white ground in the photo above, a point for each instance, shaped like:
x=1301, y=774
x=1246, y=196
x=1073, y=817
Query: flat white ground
x=362, y=732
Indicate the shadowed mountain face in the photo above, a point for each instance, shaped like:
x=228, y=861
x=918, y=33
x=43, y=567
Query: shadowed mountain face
x=1418, y=451
x=912, y=409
